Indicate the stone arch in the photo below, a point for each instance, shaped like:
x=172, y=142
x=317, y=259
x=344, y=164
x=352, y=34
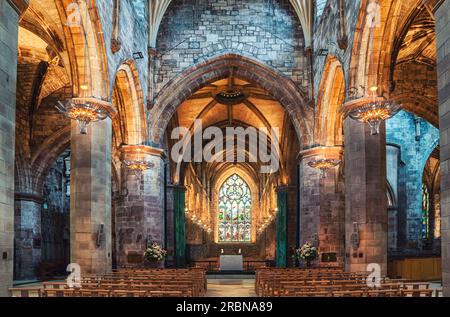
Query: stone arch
x=364, y=73
x=129, y=101
x=421, y=106
x=331, y=96
x=89, y=35
x=46, y=155
x=183, y=86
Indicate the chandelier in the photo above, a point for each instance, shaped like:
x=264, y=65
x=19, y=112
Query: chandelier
x=138, y=166
x=324, y=165
x=85, y=108
x=136, y=158
x=84, y=111
x=375, y=112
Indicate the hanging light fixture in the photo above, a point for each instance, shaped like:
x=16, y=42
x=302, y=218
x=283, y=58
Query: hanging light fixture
x=377, y=109
x=375, y=112
x=324, y=165
x=135, y=159
x=138, y=166
x=85, y=109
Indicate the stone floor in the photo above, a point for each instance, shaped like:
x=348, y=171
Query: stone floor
x=230, y=287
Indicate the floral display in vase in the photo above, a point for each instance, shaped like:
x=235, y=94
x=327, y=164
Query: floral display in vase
x=307, y=253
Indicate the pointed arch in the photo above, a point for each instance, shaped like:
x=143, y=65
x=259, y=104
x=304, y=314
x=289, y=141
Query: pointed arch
x=250, y=182
x=130, y=126
x=85, y=45
x=329, y=120
x=364, y=72
x=280, y=87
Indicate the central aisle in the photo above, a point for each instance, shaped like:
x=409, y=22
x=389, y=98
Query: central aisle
x=231, y=286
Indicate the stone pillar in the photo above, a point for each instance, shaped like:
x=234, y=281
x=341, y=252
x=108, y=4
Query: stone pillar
x=292, y=223
x=10, y=11
x=443, y=62
x=322, y=205
x=281, y=244
x=392, y=171
x=179, y=203
x=152, y=60
x=27, y=235
x=90, y=197
x=365, y=196
x=140, y=215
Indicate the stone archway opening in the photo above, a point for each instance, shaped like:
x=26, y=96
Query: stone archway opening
x=233, y=101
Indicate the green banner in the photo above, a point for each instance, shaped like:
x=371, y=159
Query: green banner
x=180, y=226
x=281, y=246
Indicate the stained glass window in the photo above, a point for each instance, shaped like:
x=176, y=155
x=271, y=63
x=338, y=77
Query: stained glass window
x=235, y=203
x=425, y=212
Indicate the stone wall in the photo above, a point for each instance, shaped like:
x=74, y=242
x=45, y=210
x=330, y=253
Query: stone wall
x=320, y=6
x=269, y=32
x=415, y=149
x=132, y=35
x=140, y=214
x=55, y=215
x=401, y=131
x=8, y=75
x=322, y=206
x=327, y=34
x=443, y=60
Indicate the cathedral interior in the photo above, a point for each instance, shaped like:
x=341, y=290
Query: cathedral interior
x=93, y=94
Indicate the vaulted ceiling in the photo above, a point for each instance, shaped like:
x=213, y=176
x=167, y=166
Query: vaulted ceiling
x=256, y=108
x=419, y=44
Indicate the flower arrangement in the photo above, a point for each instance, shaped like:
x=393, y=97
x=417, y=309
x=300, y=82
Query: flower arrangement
x=307, y=253
x=155, y=253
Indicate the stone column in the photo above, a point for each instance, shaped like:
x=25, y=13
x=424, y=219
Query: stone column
x=366, y=216
x=392, y=171
x=443, y=62
x=179, y=204
x=10, y=11
x=27, y=235
x=322, y=204
x=152, y=60
x=292, y=223
x=281, y=243
x=140, y=216
x=90, y=197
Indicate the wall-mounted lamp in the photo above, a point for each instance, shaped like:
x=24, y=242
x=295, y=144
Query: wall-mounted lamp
x=138, y=55
x=418, y=130
x=322, y=52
